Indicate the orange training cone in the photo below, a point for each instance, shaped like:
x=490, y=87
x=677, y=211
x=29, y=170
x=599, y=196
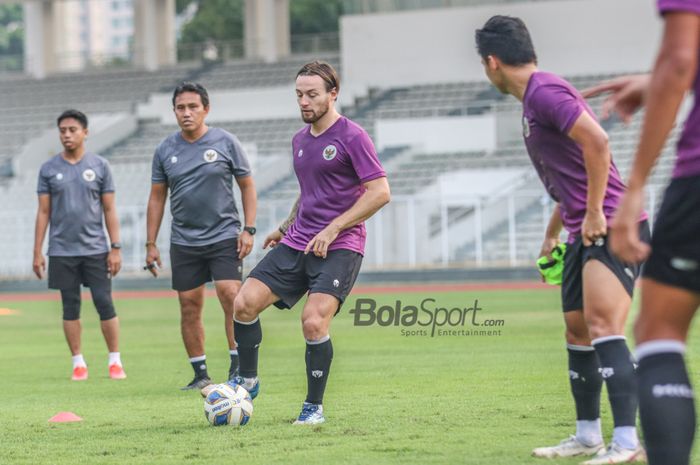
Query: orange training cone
x=64, y=417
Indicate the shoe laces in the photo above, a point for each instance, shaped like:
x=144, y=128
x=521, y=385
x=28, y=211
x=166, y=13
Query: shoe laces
x=307, y=410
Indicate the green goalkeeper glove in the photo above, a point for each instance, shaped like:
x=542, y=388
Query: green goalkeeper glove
x=552, y=270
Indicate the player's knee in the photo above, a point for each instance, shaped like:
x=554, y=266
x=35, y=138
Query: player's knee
x=228, y=294
x=577, y=337
x=313, y=328
x=71, y=313
x=104, y=305
x=70, y=299
x=244, y=308
x=599, y=326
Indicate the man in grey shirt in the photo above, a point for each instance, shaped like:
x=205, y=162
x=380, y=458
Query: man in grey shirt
x=198, y=164
x=75, y=188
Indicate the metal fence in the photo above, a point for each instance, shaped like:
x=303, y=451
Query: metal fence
x=411, y=232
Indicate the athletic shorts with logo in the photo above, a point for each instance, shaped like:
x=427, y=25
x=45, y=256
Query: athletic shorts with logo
x=193, y=266
x=290, y=274
x=576, y=257
x=675, y=244
x=71, y=272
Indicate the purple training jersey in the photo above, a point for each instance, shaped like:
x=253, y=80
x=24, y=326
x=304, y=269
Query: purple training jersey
x=331, y=169
x=688, y=160
x=551, y=106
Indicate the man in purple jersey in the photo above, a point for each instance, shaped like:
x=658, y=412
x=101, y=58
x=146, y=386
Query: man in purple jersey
x=342, y=184
x=671, y=280
x=570, y=152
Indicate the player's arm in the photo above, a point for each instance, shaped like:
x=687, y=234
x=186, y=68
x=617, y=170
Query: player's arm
x=596, y=155
x=673, y=75
x=114, y=259
x=551, y=235
x=375, y=196
x=249, y=200
x=154, y=217
x=43, y=213
x=627, y=95
x=674, y=71
x=274, y=237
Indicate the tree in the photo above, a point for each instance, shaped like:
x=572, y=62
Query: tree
x=11, y=37
x=314, y=16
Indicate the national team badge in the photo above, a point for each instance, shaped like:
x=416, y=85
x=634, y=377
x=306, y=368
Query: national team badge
x=59, y=176
x=89, y=175
x=173, y=159
x=526, y=127
x=210, y=156
x=330, y=152
x=301, y=152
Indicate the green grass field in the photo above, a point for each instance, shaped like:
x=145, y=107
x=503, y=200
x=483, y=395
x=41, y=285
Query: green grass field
x=390, y=398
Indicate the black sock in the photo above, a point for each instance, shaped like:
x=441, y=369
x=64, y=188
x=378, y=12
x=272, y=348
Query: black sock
x=248, y=337
x=666, y=408
x=234, y=367
x=318, y=365
x=586, y=382
x=200, y=368
x=617, y=370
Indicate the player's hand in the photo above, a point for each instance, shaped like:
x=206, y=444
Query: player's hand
x=594, y=227
x=153, y=259
x=624, y=229
x=39, y=265
x=320, y=242
x=548, y=246
x=626, y=95
x=273, y=239
x=114, y=261
x=245, y=244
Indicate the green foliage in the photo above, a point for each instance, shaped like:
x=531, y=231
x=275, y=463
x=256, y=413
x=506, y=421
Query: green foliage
x=314, y=16
x=222, y=20
x=216, y=20
x=11, y=37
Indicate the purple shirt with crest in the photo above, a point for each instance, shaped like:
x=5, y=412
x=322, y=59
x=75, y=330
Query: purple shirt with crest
x=688, y=160
x=331, y=169
x=551, y=106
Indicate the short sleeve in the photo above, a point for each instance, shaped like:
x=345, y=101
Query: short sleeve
x=556, y=106
x=107, y=180
x=241, y=166
x=363, y=157
x=158, y=175
x=43, y=186
x=687, y=6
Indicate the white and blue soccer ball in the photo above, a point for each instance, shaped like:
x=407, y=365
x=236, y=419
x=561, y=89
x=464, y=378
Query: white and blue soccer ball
x=228, y=405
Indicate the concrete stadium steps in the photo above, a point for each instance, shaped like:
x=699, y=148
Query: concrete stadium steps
x=269, y=136
x=247, y=73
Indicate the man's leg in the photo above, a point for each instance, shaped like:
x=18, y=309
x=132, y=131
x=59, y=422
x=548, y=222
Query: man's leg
x=666, y=405
x=226, y=291
x=191, y=304
x=315, y=321
x=254, y=297
x=586, y=384
x=606, y=306
x=70, y=298
x=109, y=324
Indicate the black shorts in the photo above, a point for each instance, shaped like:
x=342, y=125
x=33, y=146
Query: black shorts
x=675, y=244
x=576, y=257
x=193, y=266
x=290, y=274
x=71, y=272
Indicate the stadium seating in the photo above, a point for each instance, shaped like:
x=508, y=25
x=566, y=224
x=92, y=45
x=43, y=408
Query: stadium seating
x=512, y=234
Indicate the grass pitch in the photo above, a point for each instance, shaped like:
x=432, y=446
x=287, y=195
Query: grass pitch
x=391, y=398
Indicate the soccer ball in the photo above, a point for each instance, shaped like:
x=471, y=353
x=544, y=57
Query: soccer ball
x=228, y=405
